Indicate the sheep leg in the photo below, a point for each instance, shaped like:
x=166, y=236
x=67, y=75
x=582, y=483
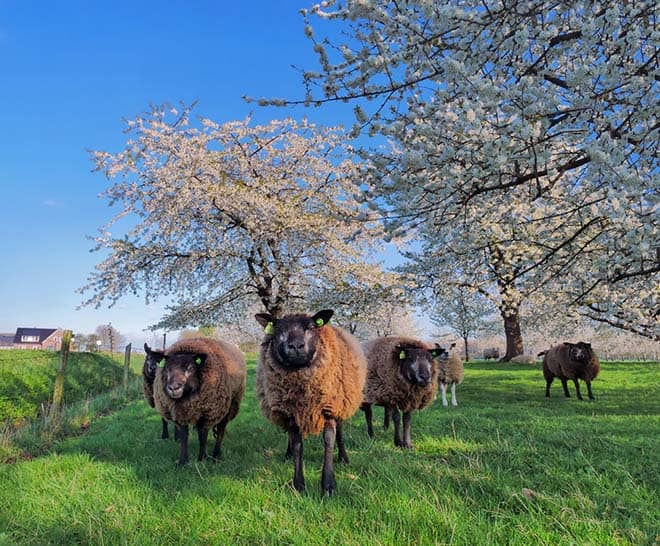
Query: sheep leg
x=328, y=482
x=548, y=382
x=177, y=433
x=407, y=441
x=202, y=436
x=183, y=442
x=165, y=433
x=343, y=456
x=443, y=391
x=564, y=384
x=454, y=402
x=219, y=433
x=591, y=394
x=396, y=417
x=289, y=450
x=368, y=415
x=296, y=444
x=387, y=418
x=577, y=389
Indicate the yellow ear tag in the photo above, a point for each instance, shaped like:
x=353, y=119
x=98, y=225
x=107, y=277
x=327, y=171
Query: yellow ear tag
x=319, y=322
x=402, y=355
x=269, y=328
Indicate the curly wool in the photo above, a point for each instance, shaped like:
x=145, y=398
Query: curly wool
x=385, y=386
x=222, y=384
x=557, y=360
x=450, y=370
x=331, y=386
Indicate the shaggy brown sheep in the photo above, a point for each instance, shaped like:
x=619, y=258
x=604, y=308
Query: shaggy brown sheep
x=570, y=361
x=201, y=383
x=309, y=379
x=401, y=376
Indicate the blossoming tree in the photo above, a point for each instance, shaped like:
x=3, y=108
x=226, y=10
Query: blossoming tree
x=221, y=215
x=524, y=138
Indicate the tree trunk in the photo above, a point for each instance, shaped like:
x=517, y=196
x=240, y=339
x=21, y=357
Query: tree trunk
x=514, y=340
x=467, y=354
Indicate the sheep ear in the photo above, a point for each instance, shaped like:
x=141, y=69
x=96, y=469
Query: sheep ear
x=264, y=319
x=147, y=349
x=322, y=317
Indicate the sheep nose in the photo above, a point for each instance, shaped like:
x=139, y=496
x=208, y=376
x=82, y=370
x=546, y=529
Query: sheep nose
x=296, y=345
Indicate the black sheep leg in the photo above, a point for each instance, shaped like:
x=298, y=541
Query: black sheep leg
x=548, y=382
x=165, y=433
x=176, y=433
x=289, y=450
x=577, y=389
x=368, y=415
x=296, y=444
x=183, y=442
x=202, y=436
x=396, y=417
x=407, y=442
x=219, y=433
x=564, y=384
x=328, y=482
x=343, y=456
x=591, y=394
x=387, y=418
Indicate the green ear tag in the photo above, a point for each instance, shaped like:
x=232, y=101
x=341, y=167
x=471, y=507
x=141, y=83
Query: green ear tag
x=161, y=364
x=319, y=322
x=198, y=360
x=402, y=355
x=269, y=328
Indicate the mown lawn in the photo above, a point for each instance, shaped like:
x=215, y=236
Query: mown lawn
x=27, y=378
x=505, y=467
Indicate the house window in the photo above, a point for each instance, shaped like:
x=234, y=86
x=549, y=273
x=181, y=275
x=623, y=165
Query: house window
x=30, y=339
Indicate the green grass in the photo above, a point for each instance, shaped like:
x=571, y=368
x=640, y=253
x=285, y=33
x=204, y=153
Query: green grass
x=505, y=467
x=28, y=378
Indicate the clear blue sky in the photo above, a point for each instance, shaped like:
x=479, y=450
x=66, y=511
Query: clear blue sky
x=69, y=72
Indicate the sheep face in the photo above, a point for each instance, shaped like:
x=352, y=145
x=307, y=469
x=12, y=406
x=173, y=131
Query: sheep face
x=579, y=352
x=415, y=364
x=151, y=361
x=182, y=374
x=294, y=338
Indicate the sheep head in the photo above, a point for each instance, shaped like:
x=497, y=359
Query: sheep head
x=415, y=364
x=151, y=361
x=182, y=373
x=579, y=352
x=294, y=338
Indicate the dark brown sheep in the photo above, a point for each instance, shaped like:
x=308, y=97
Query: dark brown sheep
x=310, y=379
x=201, y=383
x=402, y=376
x=570, y=361
x=149, y=369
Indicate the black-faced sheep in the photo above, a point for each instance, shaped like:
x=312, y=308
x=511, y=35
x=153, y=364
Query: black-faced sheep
x=570, y=361
x=201, y=383
x=401, y=376
x=450, y=372
x=149, y=369
x=310, y=379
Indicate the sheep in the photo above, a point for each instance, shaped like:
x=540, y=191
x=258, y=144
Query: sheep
x=151, y=361
x=310, y=378
x=201, y=382
x=570, y=361
x=401, y=376
x=491, y=352
x=450, y=372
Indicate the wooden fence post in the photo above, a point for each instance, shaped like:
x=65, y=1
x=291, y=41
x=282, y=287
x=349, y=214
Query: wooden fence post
x=58, y=391
x=127, y=362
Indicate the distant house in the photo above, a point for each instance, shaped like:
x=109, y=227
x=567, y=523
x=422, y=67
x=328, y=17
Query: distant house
x=7, y=341
x=38, y=338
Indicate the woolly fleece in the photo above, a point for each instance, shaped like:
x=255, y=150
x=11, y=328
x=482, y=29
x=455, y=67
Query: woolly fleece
x=385, y=386
x=450, y=370
x=222, y=384
x=557, y=363
x=331, y=386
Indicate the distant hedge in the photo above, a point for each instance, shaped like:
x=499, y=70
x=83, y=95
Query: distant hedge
x=27, y=378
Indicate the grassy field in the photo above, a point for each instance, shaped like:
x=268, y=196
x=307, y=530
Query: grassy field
x=505, y=467
x=27, y=379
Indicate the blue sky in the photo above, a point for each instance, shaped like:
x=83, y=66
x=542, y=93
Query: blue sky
x=69, y=73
